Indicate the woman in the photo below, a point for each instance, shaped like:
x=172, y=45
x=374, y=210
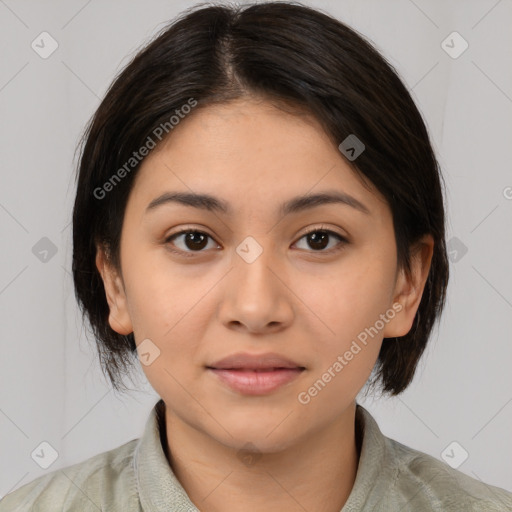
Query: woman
x=259, y=221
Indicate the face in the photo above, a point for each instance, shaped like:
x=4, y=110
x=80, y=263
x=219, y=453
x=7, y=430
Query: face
x=304, y=282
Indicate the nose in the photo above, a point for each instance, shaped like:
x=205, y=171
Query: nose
x=256, y=298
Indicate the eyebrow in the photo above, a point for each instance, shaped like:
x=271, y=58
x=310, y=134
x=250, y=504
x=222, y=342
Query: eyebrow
x=294, y=205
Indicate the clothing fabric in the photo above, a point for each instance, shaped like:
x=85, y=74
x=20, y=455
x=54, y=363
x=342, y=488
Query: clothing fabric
x=136, y=477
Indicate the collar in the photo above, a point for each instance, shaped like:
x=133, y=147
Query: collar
x=158, y=487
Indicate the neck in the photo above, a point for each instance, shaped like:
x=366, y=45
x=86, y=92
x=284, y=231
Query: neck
x=220, y=478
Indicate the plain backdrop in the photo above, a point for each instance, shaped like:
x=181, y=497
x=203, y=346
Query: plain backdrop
x=51, y=387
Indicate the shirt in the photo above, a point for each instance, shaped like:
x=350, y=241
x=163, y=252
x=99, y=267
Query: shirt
x=137, y=476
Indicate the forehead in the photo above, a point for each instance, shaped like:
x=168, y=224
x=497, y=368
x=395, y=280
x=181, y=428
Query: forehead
x=248, y=151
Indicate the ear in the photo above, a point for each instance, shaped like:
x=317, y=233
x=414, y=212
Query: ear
x=409, y=288
x=119, y=318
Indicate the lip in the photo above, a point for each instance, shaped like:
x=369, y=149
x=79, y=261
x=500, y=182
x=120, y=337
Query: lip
x=246, y=361
x=256, y=382
x=256, y=374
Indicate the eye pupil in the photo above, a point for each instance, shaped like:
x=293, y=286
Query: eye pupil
x=318, y=239
x=199, y=243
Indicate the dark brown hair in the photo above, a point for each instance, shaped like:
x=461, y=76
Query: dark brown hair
x=292, y=55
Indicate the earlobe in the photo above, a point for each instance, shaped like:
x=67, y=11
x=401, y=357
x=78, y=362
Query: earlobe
x=119, y=319
x=409, y=287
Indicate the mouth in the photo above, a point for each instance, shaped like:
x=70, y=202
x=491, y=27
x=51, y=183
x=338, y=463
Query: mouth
x=255, y=374
x=256, y=381
x=258, y=370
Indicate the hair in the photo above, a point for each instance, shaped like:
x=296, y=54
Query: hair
x=290, y=55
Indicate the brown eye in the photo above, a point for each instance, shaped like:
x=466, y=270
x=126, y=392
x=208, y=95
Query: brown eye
x=189, y=240
x=319, y=239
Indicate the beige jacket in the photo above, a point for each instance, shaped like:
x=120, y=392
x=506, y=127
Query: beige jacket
x=136, y=477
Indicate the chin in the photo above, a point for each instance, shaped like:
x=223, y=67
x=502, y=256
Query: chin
x=266, y=436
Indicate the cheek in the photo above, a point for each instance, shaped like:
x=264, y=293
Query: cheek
x=161, y=296
x=350, y=306
x=352, y=299
x=170, y=310
x=345, y=355
x=172, y=307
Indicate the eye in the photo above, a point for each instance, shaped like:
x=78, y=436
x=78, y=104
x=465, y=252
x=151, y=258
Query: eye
x=192, y=240
x=318, y=239
x=189, y=240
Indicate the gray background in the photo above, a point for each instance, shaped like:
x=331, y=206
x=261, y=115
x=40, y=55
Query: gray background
x=51, y=388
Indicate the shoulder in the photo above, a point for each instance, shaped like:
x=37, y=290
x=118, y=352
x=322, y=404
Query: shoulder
x=426, y=481
x=92, y=485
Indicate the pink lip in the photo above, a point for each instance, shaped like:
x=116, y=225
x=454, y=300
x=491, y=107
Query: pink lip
x=246, y=361
x=251, y=382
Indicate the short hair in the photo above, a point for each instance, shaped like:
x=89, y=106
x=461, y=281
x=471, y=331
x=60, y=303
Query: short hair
x=293, y=56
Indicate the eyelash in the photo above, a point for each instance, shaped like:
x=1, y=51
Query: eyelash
x=342, y=239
